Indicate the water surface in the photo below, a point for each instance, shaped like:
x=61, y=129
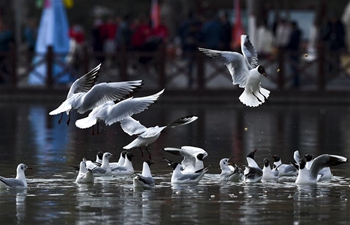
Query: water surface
x=30, y=136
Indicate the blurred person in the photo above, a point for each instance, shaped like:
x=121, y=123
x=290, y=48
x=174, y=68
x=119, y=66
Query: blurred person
x=293, y=48
x=283, y=30
x=30, y=33
x=124, y=33
x=141, y=32
x=6, y=40
x=264, y=40
x=226, y=36
x=192, y=37
x=212, y=33
x=76, y=44
x=346, y=22
x=108, y=33
x=96, y=38
x=333, y=33
x=161, y=32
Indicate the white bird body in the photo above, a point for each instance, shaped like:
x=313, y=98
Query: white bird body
x=179, y=178
x=269, y=175
x=284, y=169
x=120, y=162
x=18, y=182
x=146, y=136
x=310, y=176
x=145, y=180
x=98, y=162
x=110, y=113
x=126, y=169
x=105, y=169
x=193, y=158
x=244, y=70
x=228, y=172
x=252, y=174
x=84, y=95
x=84, y=175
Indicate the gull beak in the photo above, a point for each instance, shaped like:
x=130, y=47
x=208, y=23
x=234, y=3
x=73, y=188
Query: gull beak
x=265, y=74
x=29, y=168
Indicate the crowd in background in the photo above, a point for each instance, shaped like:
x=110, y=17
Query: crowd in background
x=210, y=30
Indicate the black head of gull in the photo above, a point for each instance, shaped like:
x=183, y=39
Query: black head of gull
x=276, y=158
x=149, y=162
x=266, y=162
x=252, y=154
x=308, y=157
x=201, y=156
x=100, y=155
x=261, y=70
x=123, y=153
x=129, y=155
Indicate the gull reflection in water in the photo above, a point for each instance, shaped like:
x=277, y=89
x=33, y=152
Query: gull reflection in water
x=21, y=205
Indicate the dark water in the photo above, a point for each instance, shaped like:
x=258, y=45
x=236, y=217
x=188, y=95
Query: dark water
x=29, y=135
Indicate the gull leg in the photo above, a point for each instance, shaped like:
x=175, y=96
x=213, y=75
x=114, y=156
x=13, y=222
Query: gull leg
x=93, y=130
x=256, y=97
x=149, y=154
x=141, y=152
x=97, y=128
x=263, y=95
x=68, y=119
x=59, y=121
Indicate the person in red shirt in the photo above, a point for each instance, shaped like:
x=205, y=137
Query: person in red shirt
x=141, y=32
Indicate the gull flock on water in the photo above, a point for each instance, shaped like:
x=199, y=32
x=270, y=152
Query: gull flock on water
x=113, y=102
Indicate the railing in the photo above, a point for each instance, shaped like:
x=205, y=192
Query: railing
x=165, y=68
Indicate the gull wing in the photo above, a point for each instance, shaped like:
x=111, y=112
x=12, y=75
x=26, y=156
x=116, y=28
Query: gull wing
x=146, y=180
x=104, y=92
x=12, y=182
x=132, y=126
x=129, y=107
x=234, y=62
x=182, y=121
x=325, y=160
x=249, y=52
x=85, y=82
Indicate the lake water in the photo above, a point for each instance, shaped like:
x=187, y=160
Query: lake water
x=30, y=136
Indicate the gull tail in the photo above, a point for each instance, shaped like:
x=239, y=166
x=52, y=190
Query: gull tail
x=86, y=122
x=248, y=99
x=264, y=92
x=62, y=108
x=183, y=121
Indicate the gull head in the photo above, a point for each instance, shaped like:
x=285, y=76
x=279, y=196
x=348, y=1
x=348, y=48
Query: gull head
x=261, y=70
x=266, y=162
x=276, y=158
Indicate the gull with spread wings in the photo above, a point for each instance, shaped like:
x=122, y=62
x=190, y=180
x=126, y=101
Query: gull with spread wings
x=85, y=95
x=146, y=136
x=245, y=71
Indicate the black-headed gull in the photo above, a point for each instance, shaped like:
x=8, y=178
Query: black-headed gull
x=251, y=159
x=284, y=169
x=269, y=175
x=127, y=168
x=244, y=70
x=325, y=175
x=84, y=175
x=145, y=179
x=193, y=157
x=18, y=182
x=104, y=169
x=228, y=172
x=98, y=162
x=252, y=174
x=310, y=176
x=84, y=95
x=146, y=136
x=120, y=162
x=179, y=178
x=110, y=113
